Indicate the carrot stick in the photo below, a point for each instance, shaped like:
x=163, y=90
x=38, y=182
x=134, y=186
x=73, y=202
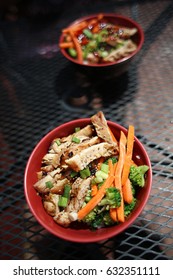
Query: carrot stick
x=113, y=214
x=77, y=46
x=127, y=192
x=118, y=174
x=76, y=27
x=129, y=153
x=94, y=190
x=95, y=199
x=111, y=167
x=66, y=45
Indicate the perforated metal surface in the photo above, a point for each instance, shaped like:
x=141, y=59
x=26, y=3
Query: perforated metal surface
x=37, y=86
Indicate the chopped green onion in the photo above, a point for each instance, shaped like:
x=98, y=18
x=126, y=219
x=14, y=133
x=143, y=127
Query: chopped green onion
x=85, y=173
x=77, y=129
x=58, y=142
x=103, y=54
x=101, y=174
x=76, y=140
x=66, y=193
x=98, y=179
x=87, y=198
x=62, y=202
x=104, y=167
x=49, y=184
x=87, y=33
x=72, y=52
x=73, y=174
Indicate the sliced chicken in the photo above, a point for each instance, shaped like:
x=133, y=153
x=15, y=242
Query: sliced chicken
x=126, y=49
x=82, y=159
x=40, y=185
x=51, y=159
x=58, y=186
x=101, y=127
x=50, y=203
x=80, y=189
x=76, y=148
x=125, y=32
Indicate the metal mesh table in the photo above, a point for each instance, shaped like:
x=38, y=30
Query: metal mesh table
x=39, y=90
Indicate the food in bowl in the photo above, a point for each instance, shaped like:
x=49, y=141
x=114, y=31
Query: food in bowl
x=88, y=177
x=101, y=39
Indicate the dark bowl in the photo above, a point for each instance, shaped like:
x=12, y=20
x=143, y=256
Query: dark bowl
x=117, y=67
x=82, y=235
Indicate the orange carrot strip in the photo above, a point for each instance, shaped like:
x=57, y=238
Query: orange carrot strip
x=95, y=199
x=127, y=192
x=77, y=46
x=118, y=174
x=111, y=167
x=129, y=153
x=113, y=214
x=76, y=27
x=94, y=190
x=66, y=45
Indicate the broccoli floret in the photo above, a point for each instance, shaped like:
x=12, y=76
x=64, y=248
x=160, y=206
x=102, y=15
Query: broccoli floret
x=90, y=217
x=129, y=207
x=107, y=219
x=98, y=222
x=112, y=198
x=137, y=175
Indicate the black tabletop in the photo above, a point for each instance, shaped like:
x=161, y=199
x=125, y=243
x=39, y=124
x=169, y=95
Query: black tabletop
x=40, y=90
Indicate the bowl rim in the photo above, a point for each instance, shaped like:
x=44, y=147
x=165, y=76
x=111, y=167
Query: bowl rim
x=94, y=238
x=117, y=62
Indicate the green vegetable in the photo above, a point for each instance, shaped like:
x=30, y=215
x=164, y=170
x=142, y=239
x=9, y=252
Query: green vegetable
x=72, y=52
x=85, y=173
x=101, y=35
x=75, y=140
x=112, y=198
x=58, y=142
x=77, y=129
x=67, y=189
x=73, y=174
x=114, y=160
x=98, y=179
x=137, y=175
x=63, y=202
x=101, y=174
x=49, y=184
x=88, y=196
x=129, y=207
x=103, y=53
x=107, y=219
x=90, y=217
x=88, y=33
x=104, y=167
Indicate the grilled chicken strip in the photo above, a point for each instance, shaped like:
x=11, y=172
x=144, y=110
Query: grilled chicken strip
x=76, y=148
x=82, y=159
x=128, y=47
x=60, y=145
x=79, y=188
x=101, y=127
x=50, y=203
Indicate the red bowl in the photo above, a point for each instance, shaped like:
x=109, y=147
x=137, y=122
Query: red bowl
x=120, y=65
x=72, y=234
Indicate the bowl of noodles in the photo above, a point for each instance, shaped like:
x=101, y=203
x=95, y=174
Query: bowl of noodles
x=102, y=43
x=88, y=180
